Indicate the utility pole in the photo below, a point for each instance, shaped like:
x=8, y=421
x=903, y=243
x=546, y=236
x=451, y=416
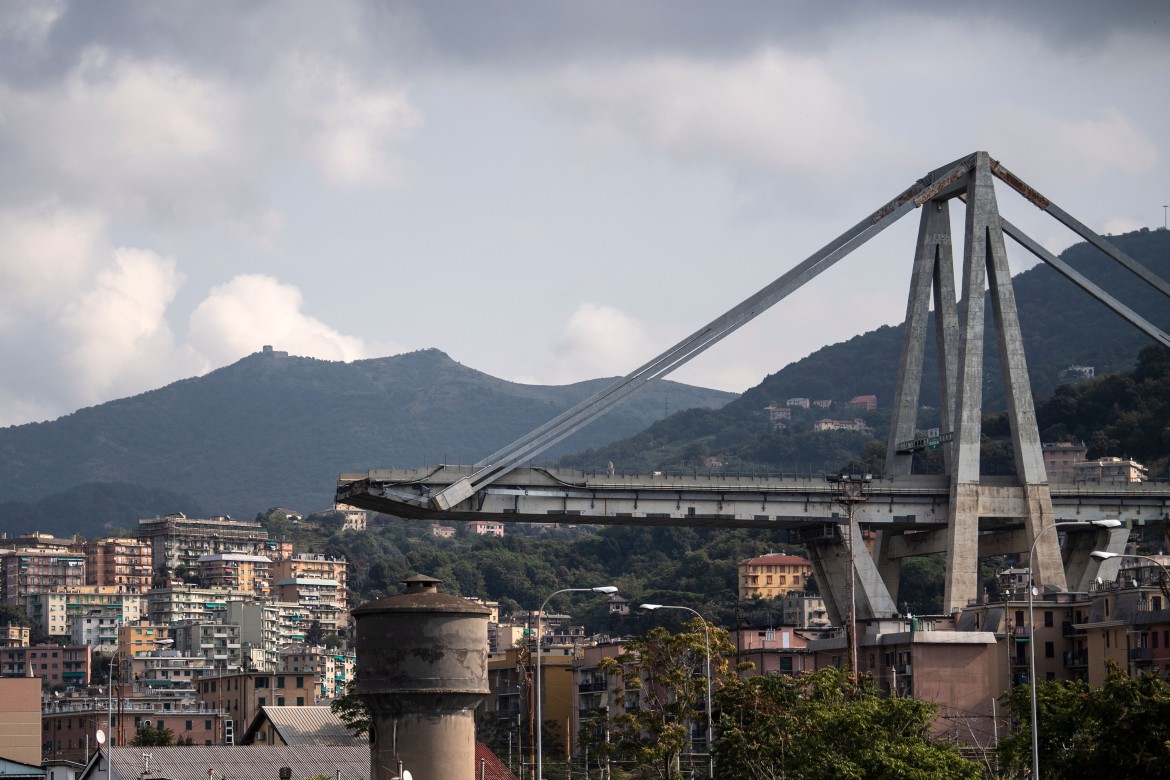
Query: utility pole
x=851, y=492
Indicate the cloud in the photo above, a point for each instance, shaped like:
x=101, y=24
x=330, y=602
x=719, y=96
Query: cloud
x=1057, y=145
x=599, y=340
x=773, y=110
x=251, y=310
x=45, y=255
x=122, y=343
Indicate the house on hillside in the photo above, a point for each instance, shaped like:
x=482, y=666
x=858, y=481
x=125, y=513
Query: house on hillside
x=864, y=402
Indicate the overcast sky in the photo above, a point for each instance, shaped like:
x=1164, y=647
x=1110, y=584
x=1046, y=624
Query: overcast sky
x=547, y=191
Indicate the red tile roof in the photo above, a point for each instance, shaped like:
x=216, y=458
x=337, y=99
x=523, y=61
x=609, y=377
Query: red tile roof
x=776, y=559
x=493, y=768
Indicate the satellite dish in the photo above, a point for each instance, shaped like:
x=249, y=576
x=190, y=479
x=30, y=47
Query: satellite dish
x=100, y=736
x=406, y=775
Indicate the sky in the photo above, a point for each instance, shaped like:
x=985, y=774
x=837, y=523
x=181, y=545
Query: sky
x=546, y=191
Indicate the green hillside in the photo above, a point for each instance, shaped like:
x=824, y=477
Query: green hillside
x=1062, y=326
x=271, y=430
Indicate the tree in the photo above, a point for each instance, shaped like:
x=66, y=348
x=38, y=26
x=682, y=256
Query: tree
x=154, y=736
x=824, y=725
x=315, y=635
x=12, y=615
x=1122, y=729
x=353, y=711
x=663, y=689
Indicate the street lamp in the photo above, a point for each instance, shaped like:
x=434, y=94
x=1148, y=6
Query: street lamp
x=707, y=644
x=1106, y=523
x=540, y=616
x=1101, y=555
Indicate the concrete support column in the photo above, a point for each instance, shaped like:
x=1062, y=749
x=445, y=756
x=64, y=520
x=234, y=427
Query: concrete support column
x=830, y=561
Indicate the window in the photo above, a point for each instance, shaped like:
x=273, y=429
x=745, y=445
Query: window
x=300, y=682
x=1049, y=650
x=279, y=701
x=260, y=701
x=1047, y=619
x=279, y=682
x=188, y=726
x=207, y=725
x=300, y=701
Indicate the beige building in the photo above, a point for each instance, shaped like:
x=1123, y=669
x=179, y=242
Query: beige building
x=331, y=670
x=20, y=720
x=14, y=636
x=236, y=571
x=772, y=575
x=178, y=603
x=485, y=527
x=123, y=564
x=1060, y=459
x=52, y=612
x=241, y=695
x=1110, y=470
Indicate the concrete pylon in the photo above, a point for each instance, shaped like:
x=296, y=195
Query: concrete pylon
x=985, y=267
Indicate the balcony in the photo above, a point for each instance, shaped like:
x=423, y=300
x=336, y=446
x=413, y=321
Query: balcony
x=1022, y=634
x=593, y=686
x=904, y=669
x=1141, y=654
x=1076, y=659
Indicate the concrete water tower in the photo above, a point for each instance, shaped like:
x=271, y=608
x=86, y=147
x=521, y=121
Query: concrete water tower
x=422, y=671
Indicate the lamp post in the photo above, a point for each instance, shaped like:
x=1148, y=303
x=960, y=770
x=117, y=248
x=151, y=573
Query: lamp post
x=539, y=740
x=1101, y=555
x=1106, y=523
x=707, y=645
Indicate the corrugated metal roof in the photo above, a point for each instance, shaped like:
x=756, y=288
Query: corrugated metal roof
x=242, y=762
x=309, y=725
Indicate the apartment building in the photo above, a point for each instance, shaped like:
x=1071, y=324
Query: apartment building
x=219, y=643
x=311, y=566
x=241, y=695
x=20, y=720
x=322, y=599
x=123, y=564
x=52, y=612
x=14, y=636
x=1060, y=459
x=772, y=575
x=179, y=541
x=266, y=627
x=165, y=673
x=183, y=603
x=236, y=571
x=485, y=527
x=26, y=571
x=98, y=629
x=141, y=639
x=54, y=664
x=1114, y=470
x=804, y=610
x=68, y=727
x=331, y=670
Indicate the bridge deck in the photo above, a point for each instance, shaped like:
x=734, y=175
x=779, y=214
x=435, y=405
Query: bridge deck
x=563, y=495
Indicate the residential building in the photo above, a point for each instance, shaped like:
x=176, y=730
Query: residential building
x=124, y=564
x=236, y=571
x=54, y=664
x=777, y=415
x=52, y=612
x=39, y=542
x=856, y=424
x=219, y=643
x=98, y=629
x=265, y=627
x=510, y=677
x=1060, y=459
x=70, y=725
x=322, y=599
x=332, y=670
x=20, y=720
x=312, y=566
x=804, y=610
x=485, y=527
x=13, y=635
x=928, y=658
x=353, y=518
x=140, y=639
x=866, y=403
x=164, y=673
x=178, y=541
x=443, y=531
x=242, y=694
x=1110, y=470
x=178, y=603
x=772, y=575
x=824, y=403
x=27, y=571
x=780, y=650
x=797, y=403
